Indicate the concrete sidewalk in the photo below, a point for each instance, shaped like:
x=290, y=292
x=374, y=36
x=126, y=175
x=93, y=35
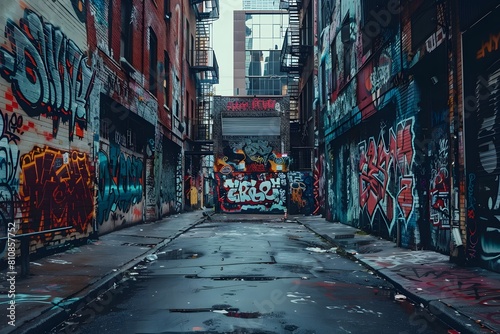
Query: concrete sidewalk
x=467, y=298
x=61, y=283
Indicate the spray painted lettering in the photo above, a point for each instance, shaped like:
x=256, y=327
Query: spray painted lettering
x=259, y=192
x=375, y=165
x=440, y=188
x=55, y=192
x=251, y=191
x=493, y=44
x=178, y=184
x=48, y=72
x=301, y=192
x=120, y=182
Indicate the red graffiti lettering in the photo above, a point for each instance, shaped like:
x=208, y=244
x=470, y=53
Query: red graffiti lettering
x=56, y=188
x=375, y=166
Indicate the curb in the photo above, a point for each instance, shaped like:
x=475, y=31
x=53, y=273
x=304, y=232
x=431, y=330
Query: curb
x=50, y=318
x=452, y=317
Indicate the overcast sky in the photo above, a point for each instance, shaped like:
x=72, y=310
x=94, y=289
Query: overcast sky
x=223, y=45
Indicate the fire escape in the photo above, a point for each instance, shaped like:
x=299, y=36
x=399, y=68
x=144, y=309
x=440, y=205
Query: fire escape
x=206, y=70
x=292, y=54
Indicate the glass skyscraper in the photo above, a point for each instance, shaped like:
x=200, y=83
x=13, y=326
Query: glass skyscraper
x=259, y=31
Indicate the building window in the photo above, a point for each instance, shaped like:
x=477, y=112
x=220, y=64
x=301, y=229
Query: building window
x=166, y=9
x=192, y=49
x=153, y=62
x=187, y=41
x=105, y=126
x=323, y=83
x=369, y=10
x=126, y=30
x=177, y=102
x=334, y=61
x=327, y=11
x=192, y=120
x=131, y=139
x=264, y=34
x=166, y=80
x=188, y=100
x=110, y=25
x=423, y=23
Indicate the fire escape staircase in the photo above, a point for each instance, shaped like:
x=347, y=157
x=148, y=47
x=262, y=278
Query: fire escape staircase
x=293, y=53
x=206, y=69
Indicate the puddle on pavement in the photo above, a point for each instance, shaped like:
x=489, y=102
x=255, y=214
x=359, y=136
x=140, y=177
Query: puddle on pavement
x=225, y=310
x=178, y=254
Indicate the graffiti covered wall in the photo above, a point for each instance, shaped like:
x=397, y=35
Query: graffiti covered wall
x=251, y=192
x=251, y=140
x=48, y=93
x=386, y=130
x=482, y=128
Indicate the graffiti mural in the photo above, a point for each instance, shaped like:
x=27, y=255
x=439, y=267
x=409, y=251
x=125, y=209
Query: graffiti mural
x=179, y=172
x=379, y=164
x=302, y=199
x=319, y=185
x=439, y=191
x=252, y=192
x=251, y=156
x=56, y=190
x=49, y=74
x=11, y=128
x=166, y=179
x=482, y=129
x=251, y=142
x=370, y=176
x=120, y=186
x=150, y=213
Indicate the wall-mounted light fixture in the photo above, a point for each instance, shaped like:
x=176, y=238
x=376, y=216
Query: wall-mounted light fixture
x=434, y=80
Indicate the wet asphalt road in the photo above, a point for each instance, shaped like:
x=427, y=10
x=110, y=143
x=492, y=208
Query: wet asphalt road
x=249, y=277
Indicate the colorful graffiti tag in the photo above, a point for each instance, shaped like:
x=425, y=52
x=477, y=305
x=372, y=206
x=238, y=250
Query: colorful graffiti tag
x=439, y=189
x=251, y=192
x=120, y=183
x=57, y=190
x=48, y=72
x=377, y=162
x=251, y=156
x=302, y=198
x=319, y=185
x=178, y=183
